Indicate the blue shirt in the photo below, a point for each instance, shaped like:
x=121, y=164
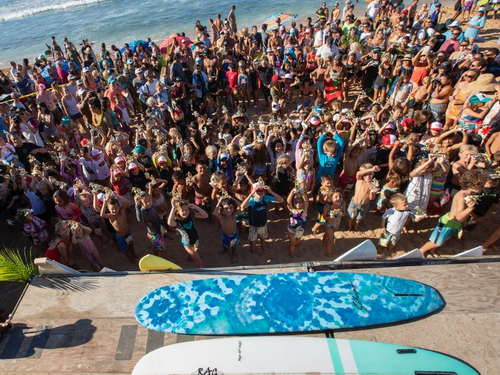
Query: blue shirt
x=257, y=210
x=328, y=164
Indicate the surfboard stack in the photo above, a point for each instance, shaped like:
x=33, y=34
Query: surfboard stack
x=284, y=303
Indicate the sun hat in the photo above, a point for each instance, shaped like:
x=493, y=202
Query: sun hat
x=483, y=83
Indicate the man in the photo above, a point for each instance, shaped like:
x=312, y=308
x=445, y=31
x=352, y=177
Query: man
x=148, y=88
x=231, y=17
x=451, y=45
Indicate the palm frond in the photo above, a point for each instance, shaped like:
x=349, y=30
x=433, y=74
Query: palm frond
x=16, y=265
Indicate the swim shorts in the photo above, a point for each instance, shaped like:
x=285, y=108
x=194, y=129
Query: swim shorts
x=230, y=240
x=357, y=211
x=123, y=242
x=255, y=232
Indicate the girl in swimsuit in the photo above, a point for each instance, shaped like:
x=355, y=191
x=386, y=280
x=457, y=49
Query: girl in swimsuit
x=297, y=203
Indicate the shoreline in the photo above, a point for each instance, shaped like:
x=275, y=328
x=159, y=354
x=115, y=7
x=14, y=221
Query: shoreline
x=489, y=34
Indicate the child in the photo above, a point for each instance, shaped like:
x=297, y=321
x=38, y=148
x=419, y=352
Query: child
x=283, y=176
x=256, y=204
x=65, y=209
x=117, y=217
x=297, y=202
x=462, y=207
x=147, y=214
x=181, y=217
x=395, y=219
x=419, y=189
x=202, y=188
x=80, y=234
x=322, y=198
x=330, y=149
x=226, y=212
x=35, y=228
x=332, y=214
x=365, y=190
x=466, y=161
x=59, y=248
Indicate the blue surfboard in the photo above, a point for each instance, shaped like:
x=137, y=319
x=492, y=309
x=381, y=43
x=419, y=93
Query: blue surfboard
x=285, y=302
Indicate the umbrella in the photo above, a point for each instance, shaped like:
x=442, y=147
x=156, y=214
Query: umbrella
x=284, y=18
x=135, y=43
x=170, y=40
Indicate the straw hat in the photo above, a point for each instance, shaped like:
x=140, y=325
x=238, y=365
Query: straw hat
x=483, y=83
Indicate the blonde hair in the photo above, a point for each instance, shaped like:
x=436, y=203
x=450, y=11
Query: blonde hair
x=397, y=197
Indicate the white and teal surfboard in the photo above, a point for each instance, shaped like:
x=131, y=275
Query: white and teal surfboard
x=296, y=355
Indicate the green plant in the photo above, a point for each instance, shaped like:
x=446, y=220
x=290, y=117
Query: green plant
x=16, y=265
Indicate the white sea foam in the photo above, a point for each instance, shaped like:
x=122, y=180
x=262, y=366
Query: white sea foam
x=28, y=12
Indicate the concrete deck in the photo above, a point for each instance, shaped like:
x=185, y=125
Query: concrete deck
x=85, y=324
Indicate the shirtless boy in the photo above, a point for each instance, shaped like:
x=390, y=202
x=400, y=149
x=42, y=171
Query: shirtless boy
x=462, y=206
x=226, y=212
x=364, y=192
x=117, y=217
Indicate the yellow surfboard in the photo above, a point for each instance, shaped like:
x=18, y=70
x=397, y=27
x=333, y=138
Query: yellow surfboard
x=155, y=263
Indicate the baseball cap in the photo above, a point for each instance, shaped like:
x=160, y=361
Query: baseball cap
x=139, y=149
x=388, y=139
x=111, y=79
x=315, y=121
x=95, y=152
x=119, y=159
x=436, y=125
x=162, y=159
x=479, y=98
x=132, y=166
x=138, y=71
x=408, y=123
x=66, y=120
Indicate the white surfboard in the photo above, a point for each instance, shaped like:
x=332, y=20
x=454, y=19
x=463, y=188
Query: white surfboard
x=474, y=252
x=414, y=254
x=294, y=355
x=366, y=250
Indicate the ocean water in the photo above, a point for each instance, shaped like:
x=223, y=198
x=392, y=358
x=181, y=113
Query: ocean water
x=26, y=25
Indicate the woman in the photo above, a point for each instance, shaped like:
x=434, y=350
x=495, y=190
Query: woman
x=334, y=81
x=459, y=96
x=382, y=80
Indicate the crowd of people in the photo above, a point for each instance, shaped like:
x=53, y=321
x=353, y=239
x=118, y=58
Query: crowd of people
x=394, y=113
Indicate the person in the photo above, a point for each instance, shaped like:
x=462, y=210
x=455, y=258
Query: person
x=231, y=17
x=365, y=190
x=114, y=209
x=297, y=203
x=395, y=220
x=182, y=217
x=226, y=212
x=147, y=214
x=475, y=25
x=462, y=207
x=256, y=206
x=333, y=212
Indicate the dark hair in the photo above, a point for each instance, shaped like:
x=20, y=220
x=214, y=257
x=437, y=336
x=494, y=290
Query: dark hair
x=61, y=195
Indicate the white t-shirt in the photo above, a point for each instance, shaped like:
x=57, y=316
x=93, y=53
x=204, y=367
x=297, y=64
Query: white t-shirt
x=372, y=9
x=396, y=220
x=318, y=38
